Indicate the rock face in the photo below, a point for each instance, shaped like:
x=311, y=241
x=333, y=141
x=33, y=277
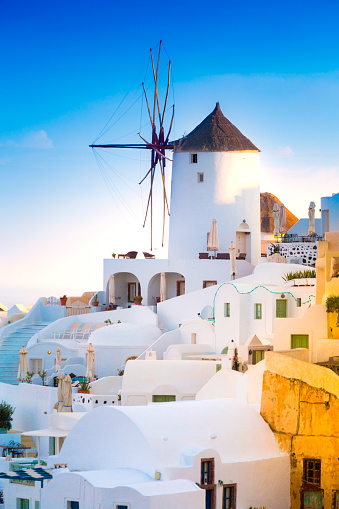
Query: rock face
x=267, y=200
x=300, y=402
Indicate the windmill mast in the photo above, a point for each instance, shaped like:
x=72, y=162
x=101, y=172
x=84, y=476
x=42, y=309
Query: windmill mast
x=158, y=145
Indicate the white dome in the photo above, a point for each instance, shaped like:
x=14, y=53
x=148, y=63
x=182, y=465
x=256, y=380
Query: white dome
x=120, y=334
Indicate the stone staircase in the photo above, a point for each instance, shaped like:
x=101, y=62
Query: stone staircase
x=10, y=346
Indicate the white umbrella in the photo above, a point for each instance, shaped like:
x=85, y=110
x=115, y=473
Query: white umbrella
x=67, y=394
x=23, y=367
x=90, y=361
x=57, y=360
x=232, y=250
x=276, y=219
x=213, y=239
x=162, y=287
x=111, y=289
x=60, y=404
x=282, y=219
x=311, y=217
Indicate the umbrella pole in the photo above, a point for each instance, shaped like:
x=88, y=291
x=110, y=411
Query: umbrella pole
x=39, y=452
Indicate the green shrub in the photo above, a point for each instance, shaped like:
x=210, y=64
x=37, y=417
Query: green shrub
x=332, y=305
x=300, y=274
x=6, y=412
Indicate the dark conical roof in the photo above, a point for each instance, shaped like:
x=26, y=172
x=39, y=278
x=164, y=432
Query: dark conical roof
x=215, y=134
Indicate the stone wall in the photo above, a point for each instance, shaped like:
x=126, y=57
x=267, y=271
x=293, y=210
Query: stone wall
x=300, y=402
x=306, y=251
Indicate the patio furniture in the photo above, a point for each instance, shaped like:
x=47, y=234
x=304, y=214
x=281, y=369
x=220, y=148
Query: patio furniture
x=69, y=333
x=204, y=256
x=148, y=255
x=130, y=255
x=223, y=256
x=241, y=256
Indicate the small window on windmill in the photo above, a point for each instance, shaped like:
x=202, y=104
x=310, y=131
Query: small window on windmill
x=200, y=178
x=194, y=158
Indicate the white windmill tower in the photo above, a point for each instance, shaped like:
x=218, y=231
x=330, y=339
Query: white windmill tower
x=215, y=174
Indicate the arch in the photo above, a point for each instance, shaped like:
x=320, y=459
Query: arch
x=175, y=285
x=127, y=285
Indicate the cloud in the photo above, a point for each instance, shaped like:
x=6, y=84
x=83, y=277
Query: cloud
x=33, y=139
x=36, y=139
x=285, y=152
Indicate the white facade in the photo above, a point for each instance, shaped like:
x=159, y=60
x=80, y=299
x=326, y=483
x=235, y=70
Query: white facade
x=229, y=193
x=330, y=213
x=170, y=442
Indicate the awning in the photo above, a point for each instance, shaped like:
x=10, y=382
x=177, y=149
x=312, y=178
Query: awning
x=48, y=432
x=28, y=474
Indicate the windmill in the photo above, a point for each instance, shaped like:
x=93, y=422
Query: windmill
x=158, y=145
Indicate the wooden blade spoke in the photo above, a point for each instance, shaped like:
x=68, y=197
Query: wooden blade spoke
x=163, y=181
x=170, y=127
x=168, y=85
x=149, y=111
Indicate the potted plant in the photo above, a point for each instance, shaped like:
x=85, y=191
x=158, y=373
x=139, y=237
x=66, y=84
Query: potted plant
x=6, y=412
x=332, y=306
x=95, y=301
x=42, y=375
x=29, y=377
x=84, y=387
x=137, y=300
x=63, y=300
x=113, y=255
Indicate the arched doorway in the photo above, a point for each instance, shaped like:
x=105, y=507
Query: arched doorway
x=175, y=286
x=127, y=286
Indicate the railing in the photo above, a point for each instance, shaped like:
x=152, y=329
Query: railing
x=83, y=310
x=292, y=237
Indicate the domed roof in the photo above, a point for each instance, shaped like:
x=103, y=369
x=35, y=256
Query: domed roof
x=215, y=134
x=125, y=334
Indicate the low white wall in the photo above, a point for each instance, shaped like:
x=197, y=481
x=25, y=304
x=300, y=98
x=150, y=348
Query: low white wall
x=107, y=385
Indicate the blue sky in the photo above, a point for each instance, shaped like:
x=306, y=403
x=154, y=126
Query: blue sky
x=65, y=66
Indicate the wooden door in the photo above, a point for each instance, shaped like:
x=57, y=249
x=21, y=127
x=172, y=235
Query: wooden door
x=241, y=243
x=180, y=288
x=313, y=499
x=281, y=308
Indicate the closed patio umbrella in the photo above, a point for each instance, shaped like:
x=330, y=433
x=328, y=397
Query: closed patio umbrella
x=276, y=219
x=232, y=250
x=67, y=394
x=111, y=289
x=90, y=361
x=311, y=218
x=282, y=219
x=57, y=360
x=23, y=367
x=60, y=404
x=213, y=239
x=162, y=287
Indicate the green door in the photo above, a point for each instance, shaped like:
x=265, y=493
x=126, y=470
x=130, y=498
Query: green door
x=313, y=499
x=299, y=341
x=281, y=308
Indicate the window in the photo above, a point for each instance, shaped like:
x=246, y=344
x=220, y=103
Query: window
x=281, y=308
x=207, y=472
x=229, y=496
x=22, y=503
x=258, y=311
x=298, y=302
x=207, y=284
x=257, y=356
x=194, y=158
x=227, y=309
x=312, y=471
x=36, y=365
x=162, y=398
x=73, y=504
x=200, y=177
x=299, y=341
x=119, y=506
x=37, y=504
